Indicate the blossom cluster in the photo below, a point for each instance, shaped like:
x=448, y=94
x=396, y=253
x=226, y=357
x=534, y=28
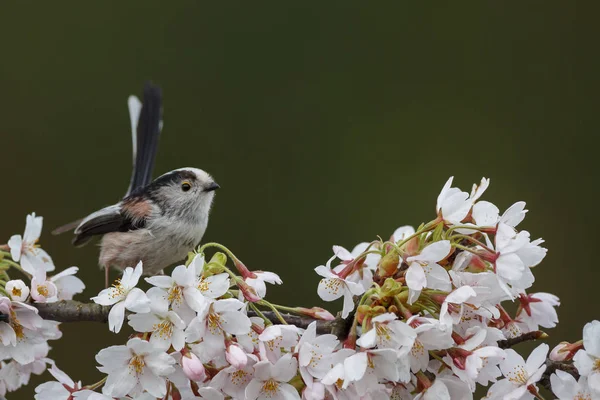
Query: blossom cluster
x=423, y=317
x=24, y=335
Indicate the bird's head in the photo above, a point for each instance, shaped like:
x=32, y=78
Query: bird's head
x=184, y=192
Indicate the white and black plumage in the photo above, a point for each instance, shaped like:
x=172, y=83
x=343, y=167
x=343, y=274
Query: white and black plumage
x=157, y=222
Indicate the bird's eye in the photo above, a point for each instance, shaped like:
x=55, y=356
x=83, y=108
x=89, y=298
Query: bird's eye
x=185, y=186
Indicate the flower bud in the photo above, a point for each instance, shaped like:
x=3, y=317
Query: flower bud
x=248, y=291
x=193, y=367
x=362, y=311
x=316, y=312
x=378, y=310
x=412, y=246
x=559, y=352
x=43, y=292
x=389, y=264
x=17, y=289
x=565, y=351
x=218, y=258
x=236, y=356
x=243, y=270
x=390, y=288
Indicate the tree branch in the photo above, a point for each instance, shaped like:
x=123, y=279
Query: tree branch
x=552, y=366
x=75, y=311
x=526, y=337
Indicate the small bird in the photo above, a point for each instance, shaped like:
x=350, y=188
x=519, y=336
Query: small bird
x=157, y=222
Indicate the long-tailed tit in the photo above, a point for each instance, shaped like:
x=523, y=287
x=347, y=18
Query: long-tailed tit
x=158, y=222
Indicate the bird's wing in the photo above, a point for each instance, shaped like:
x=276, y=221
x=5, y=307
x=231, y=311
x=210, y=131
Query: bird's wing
x=108, y=219
x=129, y=215
x=146, y=125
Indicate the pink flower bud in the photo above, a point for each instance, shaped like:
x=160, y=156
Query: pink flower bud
x=236, y=356
x=248, y=291
x=192, y=367
x=559, y=352
x=243, y=270
x=565, y=351
x=316, y=312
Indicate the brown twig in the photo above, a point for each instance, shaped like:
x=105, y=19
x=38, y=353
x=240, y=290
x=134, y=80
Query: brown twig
x=526, y=337
x=552, y=366
x=75, y=311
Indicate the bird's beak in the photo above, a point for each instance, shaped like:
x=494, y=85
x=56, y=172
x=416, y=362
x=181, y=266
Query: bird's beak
x=212, y=186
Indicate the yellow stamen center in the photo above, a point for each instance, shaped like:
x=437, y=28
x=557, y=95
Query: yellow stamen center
x=203, y=285
x=333, y=285
x=16, y=292
x=117, y=289
x=417, y=349
x=270, y=387
x=43, y=290
x=164, y=329
x=518, y=375
x=239, y=377
x=214, y=322
x=175, y=295
x=582, y=396
x=383, y=333
x=136, y=365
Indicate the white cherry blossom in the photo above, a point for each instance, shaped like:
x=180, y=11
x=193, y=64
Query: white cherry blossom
x=61, y=389
x=519, y=375
x=20, y=335
x=565, y=387
x=233, y=381
x=124, y=295
x=270, y=380
x=424, y=270
x=458, y=297
x=276, y=339
x=587, y=360
x=332, y=287
x=133, y=368
x=258, y=281
x=220, y=318
x=25, y=249
x=315, y=353
x=166, y=326
x=469, y=358
x=42, y=290
x=364, y=275
x=17, y=290
x=516, y=255
x=402, y=233
x=186, y=291
x=388, y=332
x=67, y=284
x=453, y=204
x=446, y=387
x=431, y=335
x=537, y=310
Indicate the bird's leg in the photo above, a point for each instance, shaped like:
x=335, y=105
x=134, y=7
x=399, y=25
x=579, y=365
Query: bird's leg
x=106, y=276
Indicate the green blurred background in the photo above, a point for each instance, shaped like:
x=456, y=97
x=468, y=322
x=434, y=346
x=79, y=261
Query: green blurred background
x=324, y=122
